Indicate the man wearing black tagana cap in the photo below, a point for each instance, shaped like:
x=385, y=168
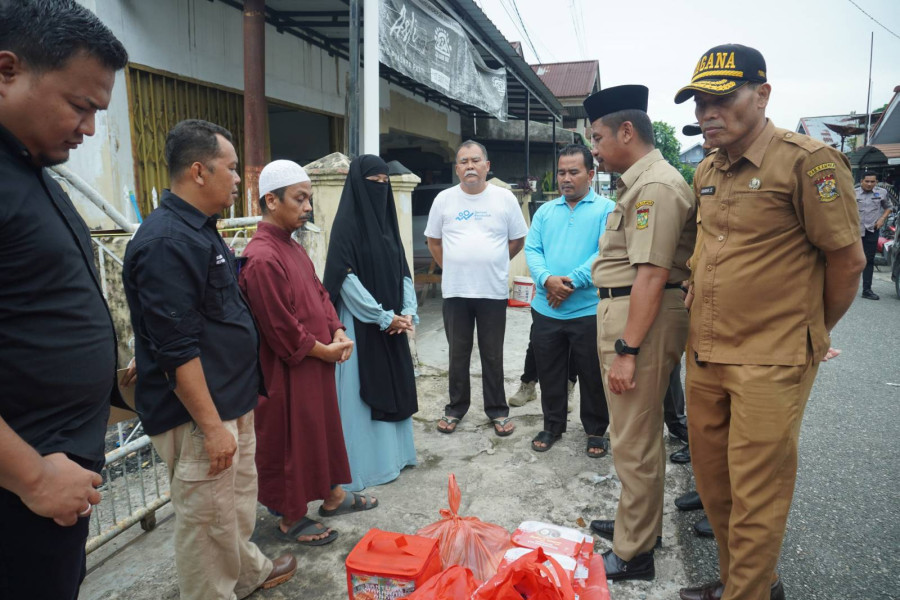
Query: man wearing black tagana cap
x=641, y=320
x=775, y=207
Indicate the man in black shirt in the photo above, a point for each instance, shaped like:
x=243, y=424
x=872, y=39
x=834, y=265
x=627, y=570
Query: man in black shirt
x=57, y=342
x=196, y=348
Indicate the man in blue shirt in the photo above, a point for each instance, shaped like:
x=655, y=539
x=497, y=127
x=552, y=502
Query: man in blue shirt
x=561, y=247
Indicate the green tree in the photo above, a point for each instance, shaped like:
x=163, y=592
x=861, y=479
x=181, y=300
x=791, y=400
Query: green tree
x=668, y=144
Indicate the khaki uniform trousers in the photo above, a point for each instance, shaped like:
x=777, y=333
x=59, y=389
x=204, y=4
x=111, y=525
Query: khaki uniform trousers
x=214, y=516
x=636, y=417
x=744, y=425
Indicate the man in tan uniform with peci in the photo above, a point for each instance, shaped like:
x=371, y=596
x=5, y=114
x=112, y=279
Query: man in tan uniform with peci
x=778, y=264
x=641, y=319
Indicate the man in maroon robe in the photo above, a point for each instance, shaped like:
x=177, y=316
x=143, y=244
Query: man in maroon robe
x=301, y=455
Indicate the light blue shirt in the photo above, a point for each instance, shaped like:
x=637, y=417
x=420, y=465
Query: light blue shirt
x=365, y=308
x=564, y=241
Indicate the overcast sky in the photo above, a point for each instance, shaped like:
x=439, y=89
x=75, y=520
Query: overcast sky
x=816, y=51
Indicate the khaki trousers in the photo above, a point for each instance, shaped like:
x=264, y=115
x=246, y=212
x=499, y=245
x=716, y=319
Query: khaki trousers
x=744, y=425
x=636, y=417
x=214, y=516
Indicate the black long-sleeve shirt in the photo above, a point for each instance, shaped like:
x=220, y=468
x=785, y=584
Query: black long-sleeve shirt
x=57, y=341
x=185, y=302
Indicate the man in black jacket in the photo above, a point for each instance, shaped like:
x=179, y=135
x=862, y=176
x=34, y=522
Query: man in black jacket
x=57, y=342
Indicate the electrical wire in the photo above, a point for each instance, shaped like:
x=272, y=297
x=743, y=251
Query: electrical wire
x=874, y=19
x=525, y=31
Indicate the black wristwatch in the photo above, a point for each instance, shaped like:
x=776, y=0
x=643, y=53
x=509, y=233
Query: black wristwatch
x=623, y=348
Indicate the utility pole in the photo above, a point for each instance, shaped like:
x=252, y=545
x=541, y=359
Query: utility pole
x=869, y=92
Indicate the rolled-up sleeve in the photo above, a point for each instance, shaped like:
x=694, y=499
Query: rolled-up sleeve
x=169, y=278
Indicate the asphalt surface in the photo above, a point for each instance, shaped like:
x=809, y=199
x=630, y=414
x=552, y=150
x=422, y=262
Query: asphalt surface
x=843, y=535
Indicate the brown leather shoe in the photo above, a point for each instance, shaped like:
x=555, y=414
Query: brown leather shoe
x=707, y=591
x=283, y=568
x=714, y=591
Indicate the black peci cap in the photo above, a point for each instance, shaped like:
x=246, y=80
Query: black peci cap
x=691, y=130
x=723, y=70
x=614, y=99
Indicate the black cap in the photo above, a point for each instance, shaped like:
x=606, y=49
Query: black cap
x=723, y=70
x=614, y=99
x=691, y=130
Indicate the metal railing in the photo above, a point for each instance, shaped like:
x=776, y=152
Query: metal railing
x=135, y=485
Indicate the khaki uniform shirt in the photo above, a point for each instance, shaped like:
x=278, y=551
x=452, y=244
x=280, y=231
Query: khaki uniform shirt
x=766, y=220
x=653, y=222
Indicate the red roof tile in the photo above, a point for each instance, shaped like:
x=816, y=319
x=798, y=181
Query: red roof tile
x=569, y=79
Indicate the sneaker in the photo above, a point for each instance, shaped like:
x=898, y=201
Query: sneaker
x=870, y=295
x=570, y=406
x=524, y=394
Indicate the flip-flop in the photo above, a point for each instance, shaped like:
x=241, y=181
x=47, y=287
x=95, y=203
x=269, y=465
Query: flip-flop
x=307, y=526
x=501, y=423
x=351, y=503
x=451, y=422
x=547, y=438
x=596, y=441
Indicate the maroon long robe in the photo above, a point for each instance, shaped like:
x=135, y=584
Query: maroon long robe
x=300, y=451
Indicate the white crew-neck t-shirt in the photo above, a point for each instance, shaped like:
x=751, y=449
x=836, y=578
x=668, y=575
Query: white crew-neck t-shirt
x=475, y=231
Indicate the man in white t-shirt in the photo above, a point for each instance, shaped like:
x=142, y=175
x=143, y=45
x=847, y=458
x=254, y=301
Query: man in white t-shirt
x=473, y=230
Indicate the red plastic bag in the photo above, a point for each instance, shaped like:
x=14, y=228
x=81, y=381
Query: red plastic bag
x=534, y=576
x=456, y=583
x=467, y=541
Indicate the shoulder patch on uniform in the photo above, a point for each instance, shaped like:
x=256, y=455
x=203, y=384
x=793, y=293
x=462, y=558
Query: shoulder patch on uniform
x=822, y=167
x=643, y=214
x=827, y=187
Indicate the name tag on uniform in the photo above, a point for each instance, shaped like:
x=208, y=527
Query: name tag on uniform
x=709, y=190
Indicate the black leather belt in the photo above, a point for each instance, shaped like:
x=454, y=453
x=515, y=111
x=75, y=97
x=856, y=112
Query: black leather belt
x=618, y=292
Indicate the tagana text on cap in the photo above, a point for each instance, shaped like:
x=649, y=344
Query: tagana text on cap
x=723, y=70
x=614, y=99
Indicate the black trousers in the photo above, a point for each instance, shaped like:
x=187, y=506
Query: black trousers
x=39, y=559
x=673, y=404
x=462, y=316
x=557, y=343
x=530, y=373
x=870, y=246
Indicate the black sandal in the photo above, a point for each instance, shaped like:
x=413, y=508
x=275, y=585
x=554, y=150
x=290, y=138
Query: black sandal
x=547, y=438
x=596, y=441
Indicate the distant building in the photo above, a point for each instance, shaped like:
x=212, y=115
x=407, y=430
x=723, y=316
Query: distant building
x=693, y=155
x=817, y=128
x=571, y=83
x=882, y=155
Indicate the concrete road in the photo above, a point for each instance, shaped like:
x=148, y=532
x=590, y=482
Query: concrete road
x=843, y=538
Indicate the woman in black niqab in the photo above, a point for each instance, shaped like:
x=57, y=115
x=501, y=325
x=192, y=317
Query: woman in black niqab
x=365, y=242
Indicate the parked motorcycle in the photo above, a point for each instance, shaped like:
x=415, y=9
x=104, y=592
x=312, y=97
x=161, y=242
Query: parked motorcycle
x=886, y=235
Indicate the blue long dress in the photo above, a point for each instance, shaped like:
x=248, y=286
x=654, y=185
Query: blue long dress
x=377, y=450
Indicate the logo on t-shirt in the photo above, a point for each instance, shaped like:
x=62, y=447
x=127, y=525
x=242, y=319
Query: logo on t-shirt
x=465, y=215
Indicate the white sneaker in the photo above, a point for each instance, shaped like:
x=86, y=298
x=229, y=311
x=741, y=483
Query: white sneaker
x=571, y=397
x=523, y=395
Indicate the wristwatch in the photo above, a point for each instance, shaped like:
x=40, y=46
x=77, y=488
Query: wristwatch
x=624, y=348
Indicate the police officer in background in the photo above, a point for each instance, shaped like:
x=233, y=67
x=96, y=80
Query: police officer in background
x=778, y=264
x=874, y=208
x=641, y=318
